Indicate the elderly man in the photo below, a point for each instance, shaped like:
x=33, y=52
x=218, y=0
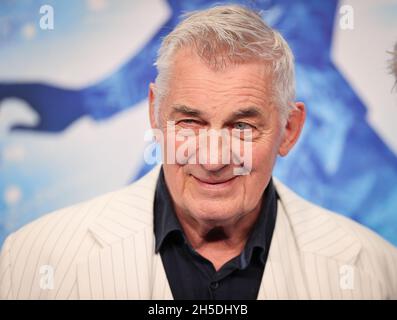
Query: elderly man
x=201, y=229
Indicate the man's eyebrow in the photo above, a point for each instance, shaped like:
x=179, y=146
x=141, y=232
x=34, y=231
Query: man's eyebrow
x=186, y=110
x=247, y=112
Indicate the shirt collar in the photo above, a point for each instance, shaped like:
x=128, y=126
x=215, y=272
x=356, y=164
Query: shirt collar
x=166, y=222
x=262, y=232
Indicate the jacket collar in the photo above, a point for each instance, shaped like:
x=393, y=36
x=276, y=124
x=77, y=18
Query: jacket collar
x=317, y=230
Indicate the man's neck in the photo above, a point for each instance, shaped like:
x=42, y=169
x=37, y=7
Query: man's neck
x=218, y=242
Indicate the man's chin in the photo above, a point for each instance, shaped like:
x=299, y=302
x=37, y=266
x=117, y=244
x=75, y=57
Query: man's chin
x=215, y=215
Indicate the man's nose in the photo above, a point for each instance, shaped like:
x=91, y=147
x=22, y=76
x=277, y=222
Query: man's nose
x=215, y=155
x=213, y=167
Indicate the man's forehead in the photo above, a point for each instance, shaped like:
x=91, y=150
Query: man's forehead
x=197, y=90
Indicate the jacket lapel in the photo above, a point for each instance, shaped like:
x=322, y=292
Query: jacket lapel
x=317, y=230
x=124, y=264
x=304, y=237
x=283, y=277
x=161, y=289
x=118, y=271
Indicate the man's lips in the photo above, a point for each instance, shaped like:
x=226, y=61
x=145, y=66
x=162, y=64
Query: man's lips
x=214, y=181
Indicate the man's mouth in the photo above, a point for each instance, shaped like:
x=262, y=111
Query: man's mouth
x=215, y=183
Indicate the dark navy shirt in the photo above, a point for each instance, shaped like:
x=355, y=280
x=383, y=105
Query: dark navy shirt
x=192, y=276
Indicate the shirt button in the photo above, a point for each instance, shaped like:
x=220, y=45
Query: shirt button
x=214, y=285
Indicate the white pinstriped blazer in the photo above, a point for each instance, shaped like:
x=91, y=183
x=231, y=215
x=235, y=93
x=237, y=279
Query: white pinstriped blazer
x=104, y=249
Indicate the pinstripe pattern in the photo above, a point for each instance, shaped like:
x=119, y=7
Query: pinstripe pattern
x=104, y=249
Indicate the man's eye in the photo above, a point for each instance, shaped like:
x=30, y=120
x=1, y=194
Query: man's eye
x=242, y=126
x=188, y=121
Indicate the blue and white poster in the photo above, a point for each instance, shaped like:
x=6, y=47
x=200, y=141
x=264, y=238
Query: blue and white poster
x=74, y=80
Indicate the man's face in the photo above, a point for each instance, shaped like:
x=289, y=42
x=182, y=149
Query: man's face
x=235, y=98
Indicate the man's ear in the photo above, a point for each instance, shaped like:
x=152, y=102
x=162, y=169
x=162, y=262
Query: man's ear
x=292, y=128
x=152, y=115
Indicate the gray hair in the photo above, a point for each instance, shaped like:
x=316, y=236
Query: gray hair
x=230, y=34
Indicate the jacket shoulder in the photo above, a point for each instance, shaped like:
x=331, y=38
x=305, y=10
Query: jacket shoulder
x=334, y=232
x=85, y=210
